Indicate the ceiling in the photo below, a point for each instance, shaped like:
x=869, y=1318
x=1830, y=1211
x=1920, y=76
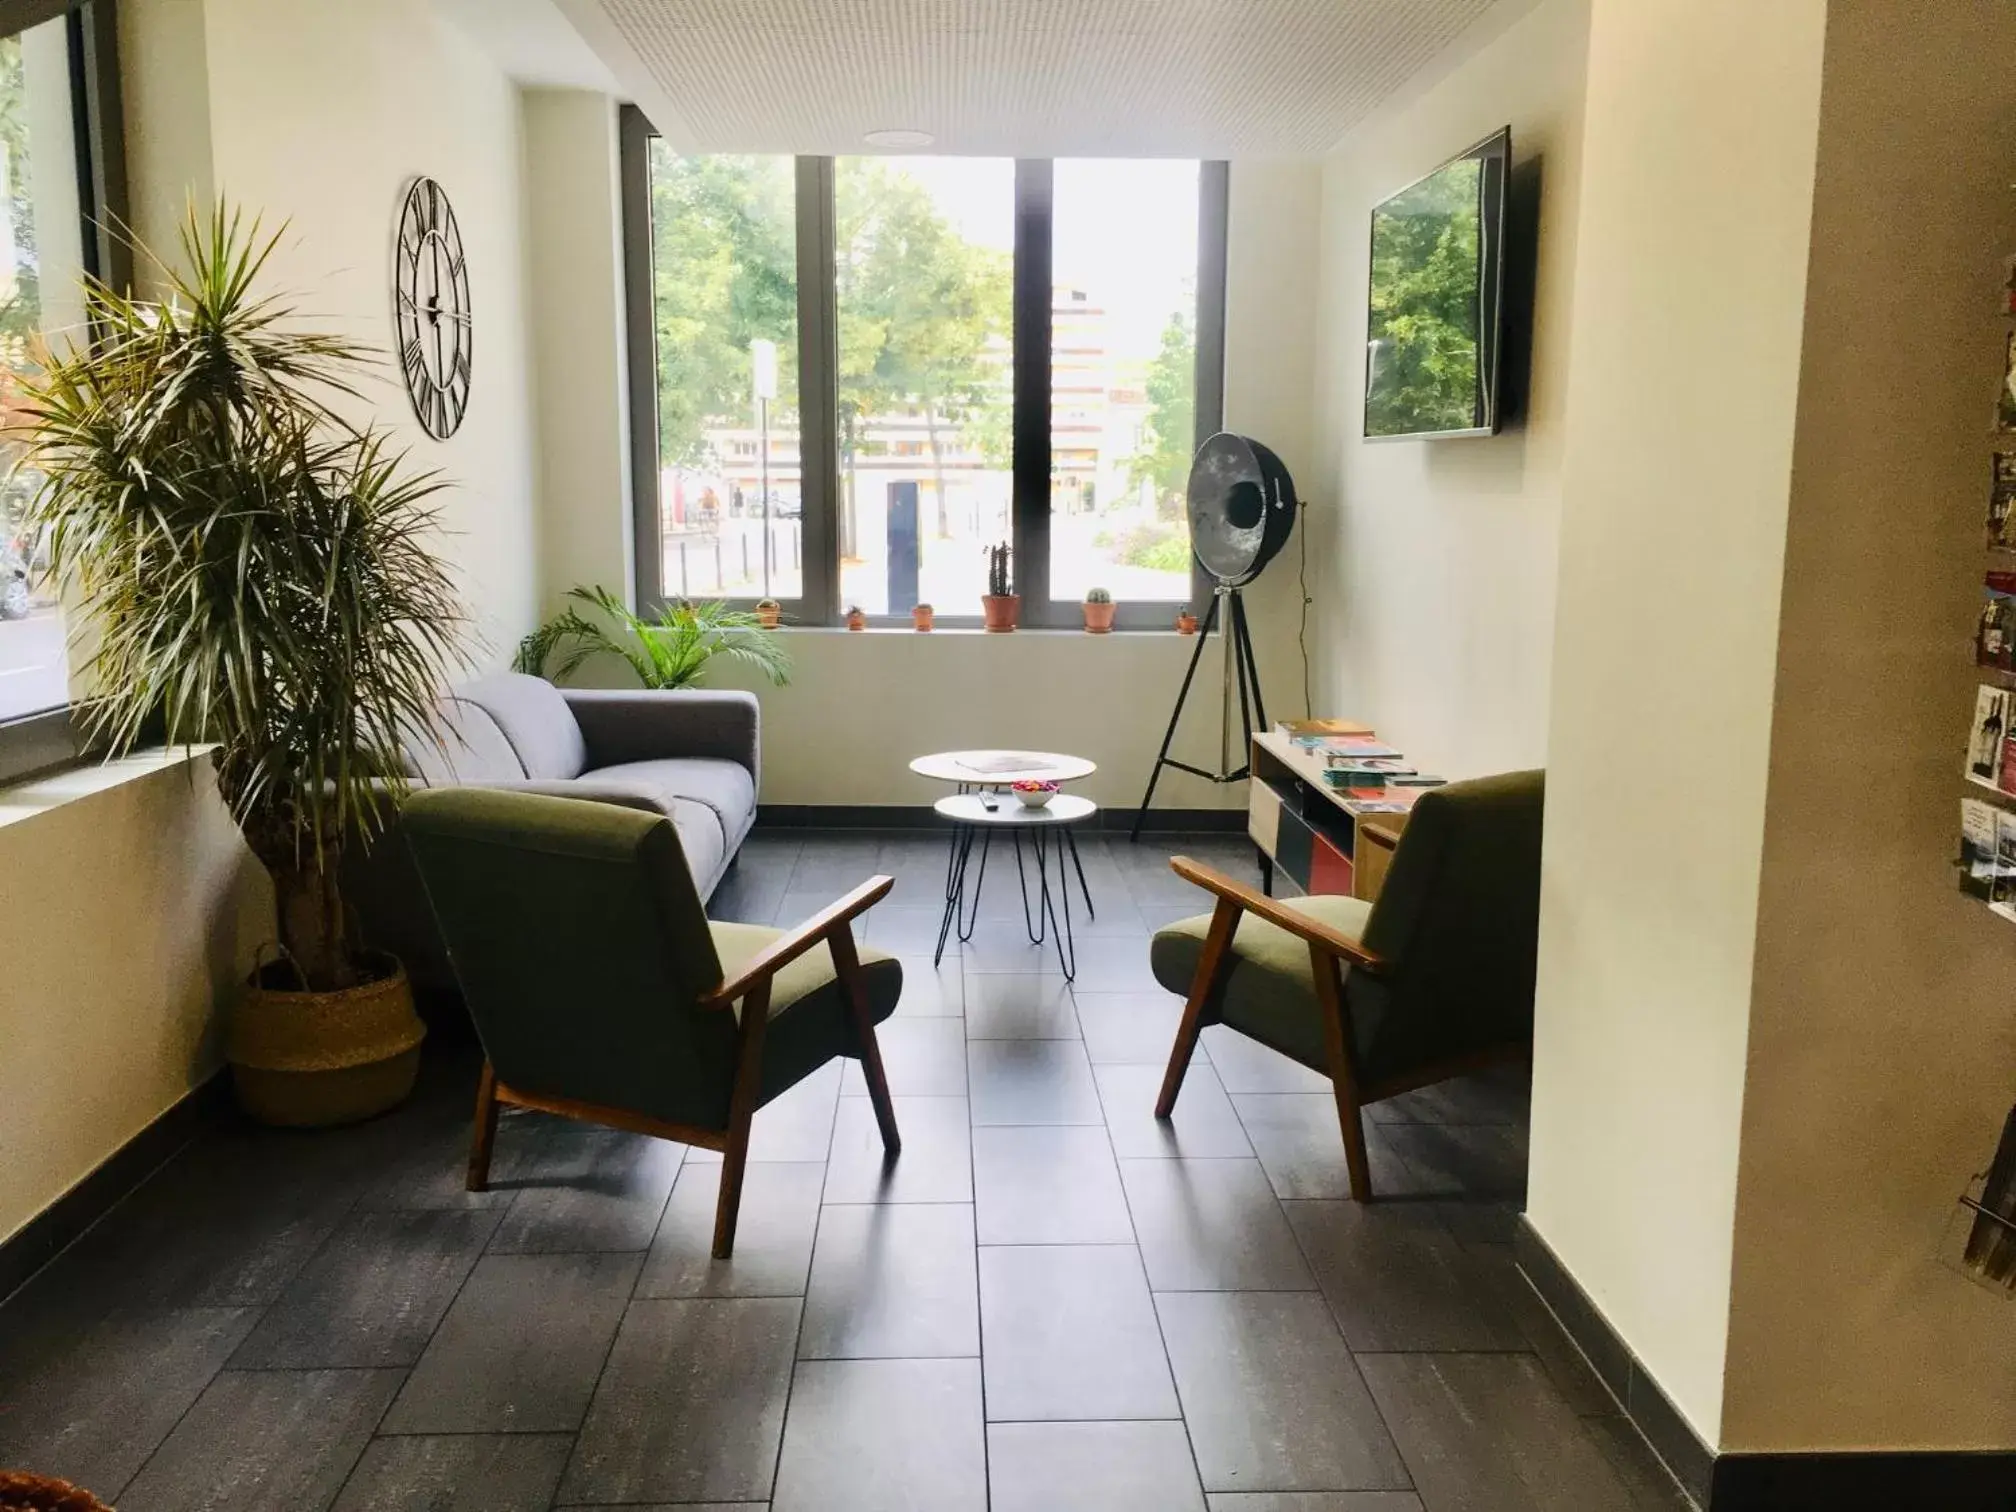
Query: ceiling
x=1188, y=78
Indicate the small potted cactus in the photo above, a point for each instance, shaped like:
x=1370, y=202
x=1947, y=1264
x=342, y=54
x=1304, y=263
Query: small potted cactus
x=921, y=616
x=1098, y=611
x=1000, y=607
x=769, y=613
x=856, y=620
x=1186, y=622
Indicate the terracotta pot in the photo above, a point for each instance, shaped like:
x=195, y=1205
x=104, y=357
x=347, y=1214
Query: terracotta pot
x=769, y=615
x=1099, y=618
x=1186, y=623
x=314, y=1059
x=921, y=616
x=1001, y=611
x=22, y=1492
x=856, y=620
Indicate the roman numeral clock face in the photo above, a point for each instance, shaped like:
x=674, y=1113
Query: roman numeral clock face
x=430, y=292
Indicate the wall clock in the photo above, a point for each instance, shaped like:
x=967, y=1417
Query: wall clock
x=430, y=295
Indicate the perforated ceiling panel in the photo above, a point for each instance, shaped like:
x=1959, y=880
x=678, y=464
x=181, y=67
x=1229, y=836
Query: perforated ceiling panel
x=1030, y=77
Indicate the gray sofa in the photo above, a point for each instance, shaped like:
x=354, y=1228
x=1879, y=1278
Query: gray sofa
x=693, y=756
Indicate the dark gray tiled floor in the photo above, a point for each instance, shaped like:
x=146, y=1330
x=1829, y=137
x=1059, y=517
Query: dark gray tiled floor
x=1050, y=1301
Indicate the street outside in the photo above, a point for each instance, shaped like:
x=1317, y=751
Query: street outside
x=34, y=666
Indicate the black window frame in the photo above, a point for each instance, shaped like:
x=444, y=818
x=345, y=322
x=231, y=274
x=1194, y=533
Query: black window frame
x=820, y=603
x=32, y=744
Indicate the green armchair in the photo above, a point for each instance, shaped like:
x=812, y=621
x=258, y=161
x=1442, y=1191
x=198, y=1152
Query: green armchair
x=1432, y=981
x=601, y=991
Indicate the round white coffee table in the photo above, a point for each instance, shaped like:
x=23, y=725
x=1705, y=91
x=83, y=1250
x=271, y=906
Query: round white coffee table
x=980, y=815
x=978, y=769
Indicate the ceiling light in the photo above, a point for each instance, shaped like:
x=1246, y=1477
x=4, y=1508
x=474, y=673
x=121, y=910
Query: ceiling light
x=899, y=137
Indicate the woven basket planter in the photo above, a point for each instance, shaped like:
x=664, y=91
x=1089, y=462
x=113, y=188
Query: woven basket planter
x=22, y=1492
x=314, y=1059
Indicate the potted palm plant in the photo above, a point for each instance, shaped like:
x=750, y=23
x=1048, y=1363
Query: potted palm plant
x=671, y=651
x=255, y=572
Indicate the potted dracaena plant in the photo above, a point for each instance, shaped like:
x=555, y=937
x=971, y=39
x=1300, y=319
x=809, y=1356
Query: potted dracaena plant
x=256, y=573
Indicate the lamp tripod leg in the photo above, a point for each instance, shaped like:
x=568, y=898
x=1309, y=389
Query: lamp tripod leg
x=1169, y=735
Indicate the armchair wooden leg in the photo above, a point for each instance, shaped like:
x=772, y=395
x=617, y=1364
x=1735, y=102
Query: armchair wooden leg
x=484, y=1135
x=1337, y=1046
x=741, y=1114
x=847, y=967
x=1199, y=1010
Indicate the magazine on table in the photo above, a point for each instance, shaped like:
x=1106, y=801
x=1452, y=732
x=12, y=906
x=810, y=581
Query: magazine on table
x=1340, y=748
x=1977, y=848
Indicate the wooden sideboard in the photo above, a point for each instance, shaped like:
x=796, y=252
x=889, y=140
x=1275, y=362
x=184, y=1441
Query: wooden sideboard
x=1304, y=830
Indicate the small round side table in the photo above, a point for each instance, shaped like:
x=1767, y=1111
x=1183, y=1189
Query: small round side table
x=979, y=815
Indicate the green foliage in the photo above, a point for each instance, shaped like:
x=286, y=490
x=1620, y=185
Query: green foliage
x=671, y=651
x=724, y=236
x=998, y=583
x=1423, y=324
x=1159, y=547
x=253, y=569
x=1170, y=440
x=1098, y=596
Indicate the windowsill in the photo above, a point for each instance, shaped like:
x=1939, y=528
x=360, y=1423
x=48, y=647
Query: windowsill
x=1117, y=632
x=53, y=790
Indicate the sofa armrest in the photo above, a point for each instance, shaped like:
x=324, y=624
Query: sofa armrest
x=622, y=725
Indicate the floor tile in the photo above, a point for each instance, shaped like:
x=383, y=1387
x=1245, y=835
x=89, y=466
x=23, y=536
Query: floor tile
x=936, y=1164
x=1091, y=1467
x=798, y=1126
x=749, y=895
x=921, y=1057
x=773, y=1234
x=264, y=1441
x=1245, y=1065
x=520, y=1349
x=1032, y=1082
x=463, y=1472
x=1572, y=1374
x=589, y=1188
x=1201, y=1125
x=1272, y=1398
x=905, y=931
x=932, y=990
x=433, y=1171
x=1017, y=1005
x=884, y=1436
x=1650, y=1483
x=1492, y=1097
x=90, y=1406
x=1475, y=1160
x=1070, y=1332
x=892, y=1282
x=1489, y=1433
x=1212, y=1225
x=1048, y=1184
x=1114, y=963
x=1315, y=1501
x=690, y=1406
x=1002, y=946
x=374, y=1294
x=1129, y=1028
x=1301, y=1145
x=1395, y=1278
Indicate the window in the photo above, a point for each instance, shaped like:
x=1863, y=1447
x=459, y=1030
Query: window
x=63, y=184
x=964, y=350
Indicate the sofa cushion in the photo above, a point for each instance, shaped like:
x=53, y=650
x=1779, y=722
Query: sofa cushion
x=700, y=837
x=465, y=745
x=810, y=1019
x=725, y=787
x=535, y=719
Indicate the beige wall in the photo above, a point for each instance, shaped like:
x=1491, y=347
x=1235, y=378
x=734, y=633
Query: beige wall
x=318, y=115
x=1882, y=1044
x=860, y=706
x=128, y=907
x=1436, y=590
x=1690, y=265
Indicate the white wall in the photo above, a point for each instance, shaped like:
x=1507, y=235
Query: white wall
x=319, y=115
x=128, y=909
x=1699, y=137
x=1436, y=586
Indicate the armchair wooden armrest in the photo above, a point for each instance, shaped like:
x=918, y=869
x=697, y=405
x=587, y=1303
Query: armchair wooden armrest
x=1301, y=925
x=822, y=926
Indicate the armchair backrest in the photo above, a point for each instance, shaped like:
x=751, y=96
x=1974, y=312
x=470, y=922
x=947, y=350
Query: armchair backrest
x=581, y=947
x=1458, y=921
